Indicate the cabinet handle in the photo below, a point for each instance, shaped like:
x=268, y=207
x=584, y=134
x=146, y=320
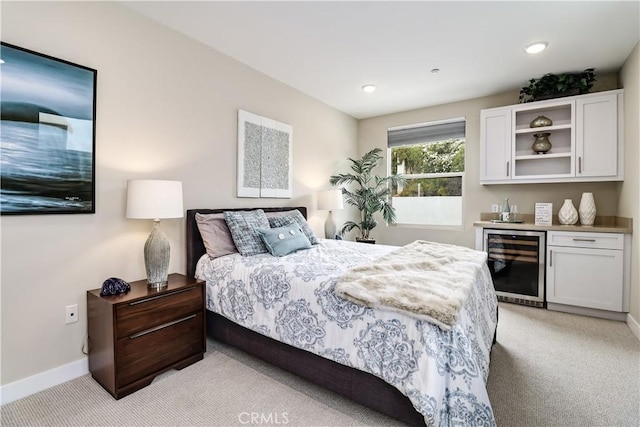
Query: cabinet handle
x=584, y=240
x=579, y=164
x=551, y=258
x=507, y=169
x=157, y=328
x=142, y=301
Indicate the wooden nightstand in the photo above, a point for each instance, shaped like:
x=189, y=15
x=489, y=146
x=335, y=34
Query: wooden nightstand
x=137, y=335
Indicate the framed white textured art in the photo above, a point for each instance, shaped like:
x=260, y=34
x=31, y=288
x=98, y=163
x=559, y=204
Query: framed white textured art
x=264, y=157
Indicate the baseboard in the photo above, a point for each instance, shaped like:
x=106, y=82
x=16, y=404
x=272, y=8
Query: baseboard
x=633, y=325
x=584, y=311
x=42, y=381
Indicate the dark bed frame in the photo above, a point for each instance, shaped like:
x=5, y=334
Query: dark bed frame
x=359, y=386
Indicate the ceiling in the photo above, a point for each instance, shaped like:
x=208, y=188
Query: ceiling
x=330, y=49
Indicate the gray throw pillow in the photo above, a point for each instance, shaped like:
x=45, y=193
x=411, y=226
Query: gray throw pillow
x=243, y=226
x=281, y=219
x=215, y=235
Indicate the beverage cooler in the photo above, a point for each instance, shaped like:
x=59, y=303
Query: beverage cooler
x=517, y=265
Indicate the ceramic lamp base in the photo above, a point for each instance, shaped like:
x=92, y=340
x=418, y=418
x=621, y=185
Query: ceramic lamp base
x=156, y=257
x=330, y=227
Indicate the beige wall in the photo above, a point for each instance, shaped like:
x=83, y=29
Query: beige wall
x=167, y=108
x=629, y=190
x=478, y=198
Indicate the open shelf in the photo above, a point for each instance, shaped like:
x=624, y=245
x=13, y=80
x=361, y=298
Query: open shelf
x=544, y=129
x=542, y=156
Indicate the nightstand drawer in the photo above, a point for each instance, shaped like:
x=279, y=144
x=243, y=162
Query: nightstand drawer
x=151, y=350
x=156, y=310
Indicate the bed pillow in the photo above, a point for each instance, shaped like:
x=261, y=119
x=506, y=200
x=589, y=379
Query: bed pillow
x=215, y=235
x=243, y=226
x=282, y=241
x=280, y=219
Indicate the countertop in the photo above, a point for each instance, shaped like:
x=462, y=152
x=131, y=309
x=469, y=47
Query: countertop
x=603, y=224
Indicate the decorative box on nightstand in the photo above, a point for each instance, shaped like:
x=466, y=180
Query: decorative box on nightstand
x=137, y=335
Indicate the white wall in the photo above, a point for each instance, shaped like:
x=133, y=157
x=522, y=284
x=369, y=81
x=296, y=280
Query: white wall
x=166, y=108
x=629, y=190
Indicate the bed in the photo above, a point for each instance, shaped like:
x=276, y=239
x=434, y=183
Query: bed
x=423, y=375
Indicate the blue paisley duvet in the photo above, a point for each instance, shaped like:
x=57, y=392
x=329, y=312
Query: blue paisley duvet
x=292, y=299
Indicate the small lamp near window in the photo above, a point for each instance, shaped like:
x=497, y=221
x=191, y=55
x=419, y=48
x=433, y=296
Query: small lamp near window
x=156, y=200
x=330, y=200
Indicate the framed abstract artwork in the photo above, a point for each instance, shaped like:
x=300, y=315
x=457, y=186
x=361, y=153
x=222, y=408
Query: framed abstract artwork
x=264, y=157
x=47, y=134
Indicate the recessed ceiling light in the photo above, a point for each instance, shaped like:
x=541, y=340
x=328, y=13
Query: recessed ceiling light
x=536, y=47
x=369, y=88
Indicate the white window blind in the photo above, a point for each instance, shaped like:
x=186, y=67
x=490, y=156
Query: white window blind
x=426, y=133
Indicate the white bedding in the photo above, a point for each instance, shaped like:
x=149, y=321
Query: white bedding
x=292, y=299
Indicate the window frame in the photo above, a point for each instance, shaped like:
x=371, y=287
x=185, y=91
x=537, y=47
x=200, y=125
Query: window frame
x=462, y=174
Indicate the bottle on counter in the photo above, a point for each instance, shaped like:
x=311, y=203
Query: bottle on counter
x=506, y=211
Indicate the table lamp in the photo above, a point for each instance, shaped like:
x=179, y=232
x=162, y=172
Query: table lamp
x=156, y=200
x=330, y=200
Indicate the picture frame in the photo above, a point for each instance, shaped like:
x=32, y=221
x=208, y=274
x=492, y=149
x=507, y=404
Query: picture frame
x=265, y=158
x=543, y=213
x=47, y=134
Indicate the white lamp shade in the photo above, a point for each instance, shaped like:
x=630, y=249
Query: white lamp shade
x=330, y=200
x=154, y=199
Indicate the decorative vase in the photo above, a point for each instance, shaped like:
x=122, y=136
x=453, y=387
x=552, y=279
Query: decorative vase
x=540, y=122
x=542, y=144
x=568, y=215
x=587, y=209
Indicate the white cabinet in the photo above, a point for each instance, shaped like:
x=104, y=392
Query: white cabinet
x=586, y=270
x=597, y=122
x=586, y=138
x=495, y=157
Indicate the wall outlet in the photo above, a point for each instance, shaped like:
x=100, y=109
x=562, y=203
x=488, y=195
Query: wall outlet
x=71, y=314
x=495, y=208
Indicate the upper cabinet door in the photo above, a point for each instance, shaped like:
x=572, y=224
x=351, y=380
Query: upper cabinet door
x=495, y=144
x=597, y=136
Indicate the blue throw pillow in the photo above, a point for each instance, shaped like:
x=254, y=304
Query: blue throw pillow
x=282, y=241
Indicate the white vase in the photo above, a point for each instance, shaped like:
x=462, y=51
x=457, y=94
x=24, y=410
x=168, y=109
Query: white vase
x=587, y=209
x=568, y=215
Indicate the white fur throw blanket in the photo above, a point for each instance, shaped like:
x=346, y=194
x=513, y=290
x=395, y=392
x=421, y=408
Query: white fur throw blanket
x=430, y=281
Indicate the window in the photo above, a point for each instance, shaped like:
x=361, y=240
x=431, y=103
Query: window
x=431, y=157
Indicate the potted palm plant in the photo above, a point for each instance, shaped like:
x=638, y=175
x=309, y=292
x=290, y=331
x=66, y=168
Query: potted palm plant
x=370, y=195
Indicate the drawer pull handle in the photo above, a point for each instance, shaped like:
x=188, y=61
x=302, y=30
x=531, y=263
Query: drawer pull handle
x=142, y=301
x=166, y=325
x=584, y=240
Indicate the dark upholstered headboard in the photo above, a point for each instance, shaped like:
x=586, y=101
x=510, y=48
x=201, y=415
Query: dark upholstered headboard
x=195, y=245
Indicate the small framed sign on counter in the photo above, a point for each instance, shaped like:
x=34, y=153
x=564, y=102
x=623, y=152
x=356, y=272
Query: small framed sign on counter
x=544, y=213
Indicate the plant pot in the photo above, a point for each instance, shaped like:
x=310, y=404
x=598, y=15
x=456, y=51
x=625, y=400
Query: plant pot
x=568, y=92
x=361, y=240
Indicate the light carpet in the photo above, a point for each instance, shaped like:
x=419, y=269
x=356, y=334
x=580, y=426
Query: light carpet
x=547, y=369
